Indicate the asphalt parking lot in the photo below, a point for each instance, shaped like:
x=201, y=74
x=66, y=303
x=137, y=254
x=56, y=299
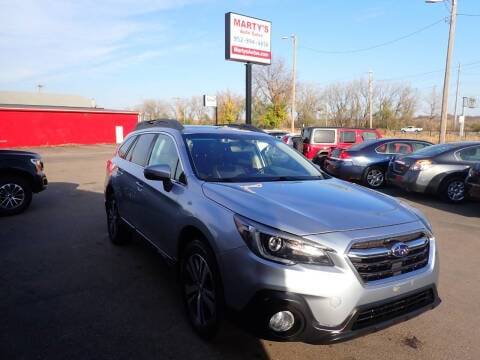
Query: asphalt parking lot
x=67, y=293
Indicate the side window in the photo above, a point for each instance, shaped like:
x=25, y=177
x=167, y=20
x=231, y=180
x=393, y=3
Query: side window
x=165, y=153
x=321, y=136
x=418, y=146
x=399, y=148
x=141, y=151
x=382, y=149
x=348, y=137
x=123, y=150
x=470, y=154
x=369, y=135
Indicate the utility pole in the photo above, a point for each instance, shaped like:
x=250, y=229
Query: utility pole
x=248, y=93
x=370, y=97
x=455, y=120
x=294, y=79
x=451, y=40
x=40, y=87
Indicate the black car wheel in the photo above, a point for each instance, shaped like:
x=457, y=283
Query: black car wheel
x=15, y=195
x=453, y=190
x=118, y=231
x=374, y=177
x=202, y=292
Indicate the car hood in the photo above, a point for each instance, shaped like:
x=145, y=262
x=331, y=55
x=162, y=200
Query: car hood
x=18, y=153
x=310, y=207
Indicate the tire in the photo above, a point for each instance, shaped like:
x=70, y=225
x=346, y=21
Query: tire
x=118, y=232
x=374, y=177
x=201, y=289
x=453, y=190
x=15, y=195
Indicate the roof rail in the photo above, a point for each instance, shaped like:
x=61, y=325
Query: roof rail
x=168, y=123
x=244, y=127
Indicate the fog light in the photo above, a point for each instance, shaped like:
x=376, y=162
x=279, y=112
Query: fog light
x=282, y=321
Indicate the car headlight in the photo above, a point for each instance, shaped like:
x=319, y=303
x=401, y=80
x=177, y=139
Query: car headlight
x=420, y=215
x=280, y=246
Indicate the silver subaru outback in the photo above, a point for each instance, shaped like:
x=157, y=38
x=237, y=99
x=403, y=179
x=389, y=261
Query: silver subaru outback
x=260, y=234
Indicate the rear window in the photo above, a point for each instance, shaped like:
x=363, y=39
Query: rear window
x=324, y=136
x=435, y=149
x=470, y=154
x=348, y=137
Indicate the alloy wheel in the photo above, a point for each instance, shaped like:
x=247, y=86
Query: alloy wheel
x=456, y=190
x=12, y=196
x=199, y=289
x=375, y=178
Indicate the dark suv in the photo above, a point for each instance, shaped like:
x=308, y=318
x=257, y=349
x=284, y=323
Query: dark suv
x=21, y=175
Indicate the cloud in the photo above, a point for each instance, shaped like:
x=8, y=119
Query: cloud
x=42, y=38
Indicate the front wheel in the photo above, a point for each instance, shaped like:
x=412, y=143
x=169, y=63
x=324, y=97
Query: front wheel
x=374, y=177
x=15, y=195
x=202, y=291
x=453, y=190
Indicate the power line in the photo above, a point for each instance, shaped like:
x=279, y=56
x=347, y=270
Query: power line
x=378, y=45
x=468, y=14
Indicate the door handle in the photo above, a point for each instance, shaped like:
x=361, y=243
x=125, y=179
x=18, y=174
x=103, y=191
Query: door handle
x=139, y=185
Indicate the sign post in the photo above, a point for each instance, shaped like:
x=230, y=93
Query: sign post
x=470, y=103
x=247, y=40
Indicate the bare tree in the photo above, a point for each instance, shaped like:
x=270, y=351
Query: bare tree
x=154, y=109
x=309, y=104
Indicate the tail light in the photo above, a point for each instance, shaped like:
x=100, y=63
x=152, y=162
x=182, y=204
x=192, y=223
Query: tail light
x=422, y=165
x=306, y=148
x=285, y=139
x=110, y=166
x=344, y=155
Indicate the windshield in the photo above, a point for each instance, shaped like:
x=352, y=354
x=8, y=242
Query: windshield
x=243, y=158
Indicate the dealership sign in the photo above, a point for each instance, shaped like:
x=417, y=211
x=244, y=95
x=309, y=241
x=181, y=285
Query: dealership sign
x=247, y=39
x=209, y=101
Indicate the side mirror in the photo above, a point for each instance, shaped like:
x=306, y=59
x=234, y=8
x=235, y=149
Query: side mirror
x=159, y=173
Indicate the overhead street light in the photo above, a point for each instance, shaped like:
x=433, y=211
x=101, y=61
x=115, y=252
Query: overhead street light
x=294, y=75
x=446, y=81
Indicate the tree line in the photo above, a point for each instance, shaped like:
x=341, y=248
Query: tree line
x=338, y=104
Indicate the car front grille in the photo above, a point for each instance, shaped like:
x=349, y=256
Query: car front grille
x=375, y=260
x=393, y=309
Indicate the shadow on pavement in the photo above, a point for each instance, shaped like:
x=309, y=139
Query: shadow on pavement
x=468, y=208
x=67, y=293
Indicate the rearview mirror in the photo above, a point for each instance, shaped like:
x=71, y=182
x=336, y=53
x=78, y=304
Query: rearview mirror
x=159, y=173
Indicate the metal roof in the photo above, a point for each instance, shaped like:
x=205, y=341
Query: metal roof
x=44, y=99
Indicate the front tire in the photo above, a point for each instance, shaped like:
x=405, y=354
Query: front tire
x=201, y=289
x=374, y=177
x=15, y=195
x=118, y=231
x=453, y=190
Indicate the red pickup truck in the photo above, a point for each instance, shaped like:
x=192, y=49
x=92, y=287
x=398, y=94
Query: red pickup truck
x=317, y=142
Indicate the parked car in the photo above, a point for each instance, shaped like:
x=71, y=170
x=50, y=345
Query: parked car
x=411, y=129
x=21, y=175
x=367, y=162
x=438, y=169
x=472, y=182
x=318, y=142
x=255, y=227
x=277, y=133
x=290, y=139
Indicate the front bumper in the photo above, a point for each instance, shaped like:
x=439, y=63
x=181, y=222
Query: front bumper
x=363, y=320
x=40, y=183
x=327, y=298
x=473, y=190
x=409, y=181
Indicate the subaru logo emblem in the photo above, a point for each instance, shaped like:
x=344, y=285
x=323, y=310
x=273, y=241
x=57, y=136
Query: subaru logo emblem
x=399, y=250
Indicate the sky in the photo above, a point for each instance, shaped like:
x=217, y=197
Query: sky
x=121, y=52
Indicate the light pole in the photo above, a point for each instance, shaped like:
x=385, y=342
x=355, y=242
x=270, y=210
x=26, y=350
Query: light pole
x=294, y=76
x=451, y=40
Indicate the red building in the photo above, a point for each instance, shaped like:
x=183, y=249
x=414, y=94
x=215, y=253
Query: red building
x=37, y=125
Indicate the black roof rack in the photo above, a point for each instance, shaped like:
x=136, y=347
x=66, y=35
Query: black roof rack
x=244, y=127
x=168, y=123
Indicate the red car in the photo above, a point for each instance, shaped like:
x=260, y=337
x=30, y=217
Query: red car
x=318, y=142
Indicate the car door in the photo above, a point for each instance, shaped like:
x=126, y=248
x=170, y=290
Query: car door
x=118, y=177
x=132, y=180
x=161, y=207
